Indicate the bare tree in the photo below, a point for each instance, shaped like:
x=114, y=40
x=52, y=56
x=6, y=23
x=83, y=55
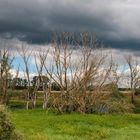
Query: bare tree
x=15, y=77
x=58, y=71
x=5, y=66
x=26, y=53
x=134, y=74
x=75, y=75
x=40, y=59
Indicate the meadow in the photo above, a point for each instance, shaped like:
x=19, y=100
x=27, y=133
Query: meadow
x=38, y=124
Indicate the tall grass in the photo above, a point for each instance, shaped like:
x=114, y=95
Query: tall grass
x=43, y=125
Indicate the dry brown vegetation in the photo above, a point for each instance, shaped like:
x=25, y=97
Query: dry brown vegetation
x=86, y=82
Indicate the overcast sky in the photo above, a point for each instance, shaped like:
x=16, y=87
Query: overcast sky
x=116, y=22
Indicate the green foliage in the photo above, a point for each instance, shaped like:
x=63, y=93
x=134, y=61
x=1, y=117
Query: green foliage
x=7, y=130
x=137, y=101
x=46, y=125
x=55, y=86
x=116, y=103
x=119, y=106
x=17, y=104
x=41, y=80
x=137, y=110
x=18, y=83
x=117, y=94
x=17, y=94
x=21, y=104
x=137, y=92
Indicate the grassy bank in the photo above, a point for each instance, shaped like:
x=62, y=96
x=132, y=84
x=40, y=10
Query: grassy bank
x=41, y=125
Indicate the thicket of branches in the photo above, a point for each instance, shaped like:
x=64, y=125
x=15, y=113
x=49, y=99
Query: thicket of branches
x=76, y=66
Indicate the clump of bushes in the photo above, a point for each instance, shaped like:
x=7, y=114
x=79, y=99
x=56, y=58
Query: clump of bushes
x=137, y=92
x=137, y=110
x=94, y=102
x=115, y=103
x=119, y=106
x=7, y=130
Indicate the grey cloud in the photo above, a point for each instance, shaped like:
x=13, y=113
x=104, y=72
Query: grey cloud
x=115, y=22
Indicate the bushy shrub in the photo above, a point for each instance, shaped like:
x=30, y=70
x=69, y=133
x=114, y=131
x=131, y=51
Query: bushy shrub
x=137, y=110
x=7, y=130
x=137, y=101
x=114, y=105
x=120, y=106
x=137, y=92
x=103, y=102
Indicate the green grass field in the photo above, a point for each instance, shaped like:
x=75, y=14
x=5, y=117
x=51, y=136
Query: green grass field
x=42, y=125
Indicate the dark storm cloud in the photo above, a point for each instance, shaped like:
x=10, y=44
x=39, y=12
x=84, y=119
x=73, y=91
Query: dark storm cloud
x=115, y=22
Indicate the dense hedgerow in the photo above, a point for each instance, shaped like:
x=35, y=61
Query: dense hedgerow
x=7, y=130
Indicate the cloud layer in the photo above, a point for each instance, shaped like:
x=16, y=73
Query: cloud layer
x=116, y=22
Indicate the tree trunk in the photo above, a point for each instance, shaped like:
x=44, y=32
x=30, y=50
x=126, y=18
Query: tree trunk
x=27, y=105
x=132, y=96
x=45, y=103
x=28, y=101
x=33, y=99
